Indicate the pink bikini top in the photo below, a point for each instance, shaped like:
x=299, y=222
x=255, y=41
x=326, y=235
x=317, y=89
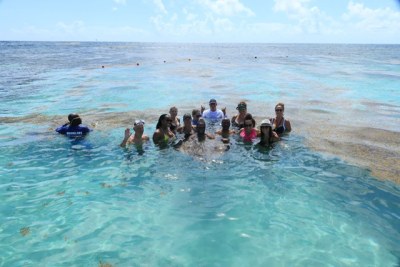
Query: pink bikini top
x=248, y=137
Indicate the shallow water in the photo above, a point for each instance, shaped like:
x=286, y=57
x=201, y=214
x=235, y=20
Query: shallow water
x=85, y=203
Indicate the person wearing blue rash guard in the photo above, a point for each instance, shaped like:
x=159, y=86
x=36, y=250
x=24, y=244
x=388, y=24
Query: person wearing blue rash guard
x=74, y=128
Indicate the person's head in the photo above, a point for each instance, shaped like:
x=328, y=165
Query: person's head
x=187, y=119
x=138, y=126
x=201, y=126
x=196, y=114
x=249, y=122
x=279, y=109
x=225, y=123
x=265, y=129
x=76, y=121
x=242, y=107
x=164, y=121
x=173, y=111
x=213, y=104
x=72, y=116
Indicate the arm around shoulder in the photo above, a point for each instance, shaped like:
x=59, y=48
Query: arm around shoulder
x=157, y=137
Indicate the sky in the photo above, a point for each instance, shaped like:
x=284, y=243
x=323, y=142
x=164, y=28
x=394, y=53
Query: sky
x=202, y=21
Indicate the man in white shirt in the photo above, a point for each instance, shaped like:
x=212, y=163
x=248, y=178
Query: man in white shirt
x=213, y=113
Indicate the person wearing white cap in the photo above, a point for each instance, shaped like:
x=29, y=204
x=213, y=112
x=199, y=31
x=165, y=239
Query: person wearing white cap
x=213, y=113
x=138, y=138
x=267, y=136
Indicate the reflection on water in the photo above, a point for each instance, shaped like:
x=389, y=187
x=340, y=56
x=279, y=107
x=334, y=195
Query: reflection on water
x=214, y=208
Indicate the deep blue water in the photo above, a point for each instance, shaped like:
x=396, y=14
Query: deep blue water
x=81, y=204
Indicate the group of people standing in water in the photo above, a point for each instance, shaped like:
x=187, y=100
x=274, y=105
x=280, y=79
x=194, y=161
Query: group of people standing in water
x=171, y=131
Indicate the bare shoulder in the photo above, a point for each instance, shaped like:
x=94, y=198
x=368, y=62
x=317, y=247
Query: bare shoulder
x=288, y=125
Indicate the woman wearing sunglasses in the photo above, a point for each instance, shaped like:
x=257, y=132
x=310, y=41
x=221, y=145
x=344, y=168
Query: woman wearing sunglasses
x=279, y=124
x=249, y=132
x=237, y=121
x=163, y=134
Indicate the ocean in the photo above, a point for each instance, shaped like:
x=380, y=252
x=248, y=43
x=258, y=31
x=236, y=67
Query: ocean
x=327, y=194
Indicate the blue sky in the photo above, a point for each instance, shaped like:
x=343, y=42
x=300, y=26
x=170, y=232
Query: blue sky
x=267, y=21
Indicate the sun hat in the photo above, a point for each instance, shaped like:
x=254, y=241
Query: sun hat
x=265, y=123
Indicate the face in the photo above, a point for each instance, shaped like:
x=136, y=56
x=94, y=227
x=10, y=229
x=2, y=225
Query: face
x=139, y=128
x=213, y=106
x=265, y=130
x=173, y=112
x=167, y=121
x=279, y=110
x=196, y=116
x=187, y=121
x=242, y=109
x=248, y=125
x=225, y=124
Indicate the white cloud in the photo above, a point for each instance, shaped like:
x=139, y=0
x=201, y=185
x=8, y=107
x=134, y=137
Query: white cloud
x=295, y=7
x=160, y=6
x=226, y=7
x=307, y=19
x=367, y=19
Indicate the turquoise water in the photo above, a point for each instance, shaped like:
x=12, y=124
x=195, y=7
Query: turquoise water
x=68, y=203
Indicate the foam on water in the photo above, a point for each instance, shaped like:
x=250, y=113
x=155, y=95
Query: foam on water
x=83, y=203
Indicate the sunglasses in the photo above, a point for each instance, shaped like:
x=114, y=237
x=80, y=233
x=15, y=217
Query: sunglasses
x=248, y=125
x=168, y=120
x=279, y=110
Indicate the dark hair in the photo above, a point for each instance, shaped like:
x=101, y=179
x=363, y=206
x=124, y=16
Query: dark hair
x=187, y=115
x=227, y=120
x=201, y=121
x=250, y=117
x=162, y=117
x=195, y=111
x=262, y=136
x=72, y=116
x=76, y=121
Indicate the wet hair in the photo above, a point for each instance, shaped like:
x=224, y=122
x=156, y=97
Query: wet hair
x=187, y=115
x=76, y=121
x=250, y=117
x=226, y=120
x=173, y=108
x=162, y=117
x=201, y=121
x=195, y=111
x=72, y=116
x=262, y=136
x=280, y=104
